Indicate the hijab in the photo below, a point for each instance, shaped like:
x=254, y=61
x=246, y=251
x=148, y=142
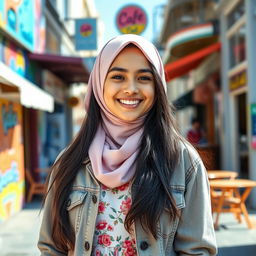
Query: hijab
x=116, y=143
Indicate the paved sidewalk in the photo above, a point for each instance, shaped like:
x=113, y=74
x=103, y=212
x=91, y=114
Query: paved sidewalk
x=235, y=239
x=19, y=235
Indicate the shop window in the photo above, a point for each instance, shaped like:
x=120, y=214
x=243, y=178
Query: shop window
x=52, y=40
x=243, y=151
x=236, y=13
x=237, y=47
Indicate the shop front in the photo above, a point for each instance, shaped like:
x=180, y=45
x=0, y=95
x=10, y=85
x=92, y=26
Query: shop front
x=235, y=88
x=54, y=128
x=239, y=91
x=193, y=58
x=238, y=98
x=17, y=94
x=22, y=29
x=58, y=74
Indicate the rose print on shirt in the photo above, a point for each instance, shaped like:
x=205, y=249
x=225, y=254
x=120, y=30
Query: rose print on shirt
x=130, y=247
x=101, y=225
x=111, y=238
x=102, y=207
x=110, y=228
x=123, y=187
x=97, y=253
x=104, y=240
x=126, y=205
x=116, y=215
x=114, y=190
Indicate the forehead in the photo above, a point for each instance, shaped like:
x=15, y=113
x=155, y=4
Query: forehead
x=130, y=56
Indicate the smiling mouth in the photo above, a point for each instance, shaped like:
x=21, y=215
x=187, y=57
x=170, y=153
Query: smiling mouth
x=129, y=103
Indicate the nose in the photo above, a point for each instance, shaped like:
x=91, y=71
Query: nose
x=131, y=87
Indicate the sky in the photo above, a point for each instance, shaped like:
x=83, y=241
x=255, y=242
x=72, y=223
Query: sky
x=108, y=10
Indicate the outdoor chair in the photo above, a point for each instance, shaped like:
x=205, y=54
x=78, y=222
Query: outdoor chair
x=34, y=187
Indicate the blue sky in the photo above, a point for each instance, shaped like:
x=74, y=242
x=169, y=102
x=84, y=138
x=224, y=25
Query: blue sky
x=108, y=9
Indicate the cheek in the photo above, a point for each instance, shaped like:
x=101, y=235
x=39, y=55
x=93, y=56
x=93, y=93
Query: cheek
x=109, y=92
x=151, y=94
x=106, y=92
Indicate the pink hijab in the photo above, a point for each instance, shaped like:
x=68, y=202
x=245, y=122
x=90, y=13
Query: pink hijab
x=115, y=146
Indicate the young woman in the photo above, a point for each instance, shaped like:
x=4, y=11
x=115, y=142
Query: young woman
x=128, y=184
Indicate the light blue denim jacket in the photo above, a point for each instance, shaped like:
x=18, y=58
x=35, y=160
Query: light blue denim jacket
x=191, y=234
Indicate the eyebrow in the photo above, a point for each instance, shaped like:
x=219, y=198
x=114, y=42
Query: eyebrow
x=143, y=70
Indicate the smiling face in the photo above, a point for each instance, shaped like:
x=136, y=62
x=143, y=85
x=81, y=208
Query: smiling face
x=129, y=88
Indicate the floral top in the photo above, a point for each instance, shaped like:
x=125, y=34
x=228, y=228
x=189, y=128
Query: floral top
x=111, y=237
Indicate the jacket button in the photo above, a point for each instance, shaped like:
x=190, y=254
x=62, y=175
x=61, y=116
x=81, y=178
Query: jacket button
x=87, y=246
x=94, y=199
x=68, y=202
x=144, y=245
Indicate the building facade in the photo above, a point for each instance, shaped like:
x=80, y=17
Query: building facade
x=192, y=63
x=21, y=26
x=212, y=75
x=39, y=65
x=238, y=61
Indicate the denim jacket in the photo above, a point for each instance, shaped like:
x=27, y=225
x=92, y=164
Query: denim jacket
x=190, y=234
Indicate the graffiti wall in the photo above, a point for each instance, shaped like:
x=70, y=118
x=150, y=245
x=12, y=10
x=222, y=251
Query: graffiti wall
x=16, y=59
x=12, y=184
x=23, y=20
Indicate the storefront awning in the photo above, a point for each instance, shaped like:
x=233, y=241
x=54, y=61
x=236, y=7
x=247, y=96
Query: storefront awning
x=184, y=65
x=69, y=69
x=30, y=95
x=184, y=100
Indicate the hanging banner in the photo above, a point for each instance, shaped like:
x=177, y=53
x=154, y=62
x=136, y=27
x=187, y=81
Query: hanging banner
x=131, y=19
x=86, y=34
x=253, y=120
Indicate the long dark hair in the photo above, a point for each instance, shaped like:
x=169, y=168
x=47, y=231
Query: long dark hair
x=158, y=155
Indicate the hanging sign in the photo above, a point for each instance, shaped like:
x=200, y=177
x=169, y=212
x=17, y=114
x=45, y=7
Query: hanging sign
x=86, y=34
x=253, y=120
x=131, y=19
x=238, y=80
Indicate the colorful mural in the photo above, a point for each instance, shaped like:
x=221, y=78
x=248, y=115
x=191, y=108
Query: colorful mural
x=16, y=59
x=12, y=184
x=12, y=56
x=23, y=20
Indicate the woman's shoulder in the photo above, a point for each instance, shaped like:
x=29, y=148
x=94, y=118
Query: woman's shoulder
x=188, y=163
x=187, y=152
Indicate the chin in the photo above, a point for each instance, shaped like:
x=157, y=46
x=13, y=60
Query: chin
x=128, y=119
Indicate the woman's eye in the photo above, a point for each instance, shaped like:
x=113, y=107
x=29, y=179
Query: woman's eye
x=117, y=77
x=145, y=78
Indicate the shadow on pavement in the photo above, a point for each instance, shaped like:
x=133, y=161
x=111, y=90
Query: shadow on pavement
x=246, y=250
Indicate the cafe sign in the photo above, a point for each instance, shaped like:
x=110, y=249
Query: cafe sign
x=86, y=34
x=131, y=19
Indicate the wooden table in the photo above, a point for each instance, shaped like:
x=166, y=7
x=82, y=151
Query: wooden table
x=221, y=174
x=236, y=203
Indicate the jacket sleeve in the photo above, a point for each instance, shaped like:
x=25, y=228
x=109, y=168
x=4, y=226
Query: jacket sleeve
x=195, y=234
x=45, y=243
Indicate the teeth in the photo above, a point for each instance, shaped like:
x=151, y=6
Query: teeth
x=130, y=102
